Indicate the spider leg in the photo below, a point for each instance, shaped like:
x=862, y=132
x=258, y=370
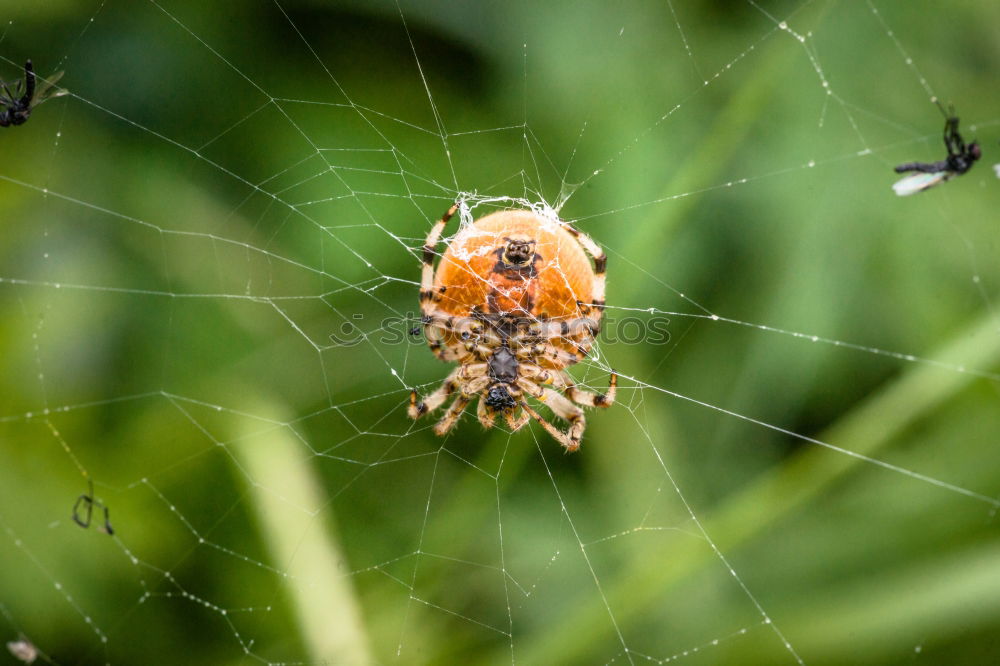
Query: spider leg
x=107, y=529
x=480, y=350
x=436, y=322
x=476, y=386
x=588, y=398
x=600, y=266
x=579, y=331
x=450, y=417
x=549, y=351
x=466, y=326
x=443, y=352
x=557, y=434
x=518, y=422
x=427, y=277
x=473, y=371
x=418, y=408
x=485, y=414
x=435, y=340
x=468, y=380
x=536, y=373
x=87, y=500
x=531, y=388
x=567, y=411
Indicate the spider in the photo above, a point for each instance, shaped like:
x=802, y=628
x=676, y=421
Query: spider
x=514, y=302
x=88, y=501
x=926, y=175
x=17, y=104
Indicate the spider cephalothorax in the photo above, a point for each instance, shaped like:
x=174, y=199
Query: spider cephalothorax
x=517, y=256
x=514, y=301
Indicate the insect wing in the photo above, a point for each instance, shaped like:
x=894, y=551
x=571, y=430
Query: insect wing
x=996, y=168
x=42, y=91
x=918, y=182
x=9, y=97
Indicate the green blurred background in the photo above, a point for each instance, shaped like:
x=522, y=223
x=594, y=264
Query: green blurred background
x=230, y=183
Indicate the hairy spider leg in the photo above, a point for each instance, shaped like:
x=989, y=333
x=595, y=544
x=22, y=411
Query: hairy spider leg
x=485, y=414
x=467, y=391
x=427, y=276
x=536, y=373
x=556, y=434
x=450, y=417
x=564, y=381
x=458, y=380
x=580, y=396
x=420, y=407
x=567, y=411
x=584, y=330
x=437, y=323
x=517, y=422
x=432, y=318
x=600, y=266
x=559, y=357
x=531, y=388
x=589, y=398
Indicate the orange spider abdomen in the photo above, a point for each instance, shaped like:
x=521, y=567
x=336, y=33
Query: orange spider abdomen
x=552, y=282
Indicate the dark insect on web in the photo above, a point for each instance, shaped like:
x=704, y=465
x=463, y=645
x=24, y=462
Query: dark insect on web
x=82, y=516
x=926, y=175
x=18, y=98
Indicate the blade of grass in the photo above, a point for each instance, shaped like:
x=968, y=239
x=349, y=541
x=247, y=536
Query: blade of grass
x=945, y=596
x=297, y=526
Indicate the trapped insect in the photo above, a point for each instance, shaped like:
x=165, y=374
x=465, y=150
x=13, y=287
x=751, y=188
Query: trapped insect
x=23, y=649
x=18, y=98
x=514, y=301
x=83, y=518
x=960, y=159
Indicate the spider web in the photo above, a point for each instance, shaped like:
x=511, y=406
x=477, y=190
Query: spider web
x=211, y=261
